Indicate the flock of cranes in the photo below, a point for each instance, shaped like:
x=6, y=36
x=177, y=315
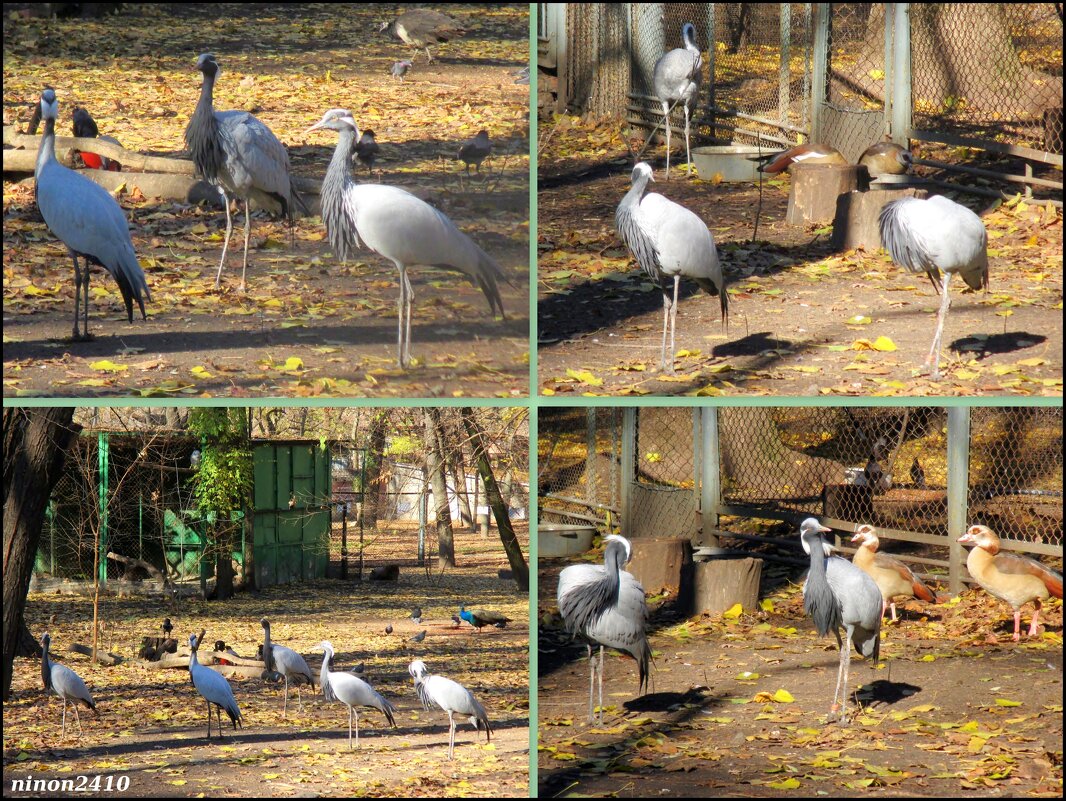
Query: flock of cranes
x=242, y=158
x=344, y=687
x=605, y=604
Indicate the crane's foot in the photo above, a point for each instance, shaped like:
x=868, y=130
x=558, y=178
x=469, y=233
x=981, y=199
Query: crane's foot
x=77, y=336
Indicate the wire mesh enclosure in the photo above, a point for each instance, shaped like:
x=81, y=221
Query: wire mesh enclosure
x=579, y=455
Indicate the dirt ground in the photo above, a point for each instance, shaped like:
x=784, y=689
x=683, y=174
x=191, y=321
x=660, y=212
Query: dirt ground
x=150, y=726
x=308, y=325
x=955, y=709
x=798, y=312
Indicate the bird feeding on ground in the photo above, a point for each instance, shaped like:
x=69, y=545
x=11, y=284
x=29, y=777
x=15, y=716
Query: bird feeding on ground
x=85, y=128
x=397, y=225
x=835, y=594
x=240, y=155
x=893, y=578
x=422, y=27
x=286, y=662
x=85, y=218
x=351, y=691
x=418, y=637
x=605, y=605
x=215, y=690
x=399, y=69
x=1010, y=577
x=366, y=149
x=939, y=237
x=416, y=614
x=65, y=683
x=677, y=77
x=479, y=618
x=669, y=241
x=476, y=150
x=452, y=697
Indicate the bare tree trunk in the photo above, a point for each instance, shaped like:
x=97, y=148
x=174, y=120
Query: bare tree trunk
x=35, y=446
x=499, y=510
x=372, y=472
x=457, y=467
x=435, y=469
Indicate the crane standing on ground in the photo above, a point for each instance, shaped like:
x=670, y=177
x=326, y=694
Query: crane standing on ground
x=351, y=691
x=677, y=77
x=286, y=662
x=215, y=690
x=452, y=697
x=65, y=683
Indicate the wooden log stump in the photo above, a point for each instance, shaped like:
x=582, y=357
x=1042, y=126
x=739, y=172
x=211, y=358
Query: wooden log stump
x=855, y=224
x=102, y=656
x=719, y=584
x=659, y=564
x=816, y=187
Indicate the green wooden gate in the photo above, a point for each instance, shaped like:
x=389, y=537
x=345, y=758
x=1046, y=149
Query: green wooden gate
x=291, y=514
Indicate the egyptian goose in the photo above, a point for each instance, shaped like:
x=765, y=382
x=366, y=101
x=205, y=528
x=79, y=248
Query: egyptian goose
x=892, y=577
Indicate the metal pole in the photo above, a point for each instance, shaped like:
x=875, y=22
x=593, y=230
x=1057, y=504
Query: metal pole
x=783, y=73
x=344, y=540
x=102, y=466
x=423, y=513
x=957, y=490
x=590, y=454
x=901, y=73
x=711, y=33
x=629, y=464
x=821, y=62
x=710, y=473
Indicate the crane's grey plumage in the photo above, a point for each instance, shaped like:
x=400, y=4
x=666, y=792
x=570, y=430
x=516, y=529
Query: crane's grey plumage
x=85, y=218
x=215, y=690
x=351, y=691
x=65, y=683
x=476, y=150
x=397, y=225
x=677, y=80
x=668, y=240
x=452, y=697
x=936, y=236
x=399, y=69
x=239, y=154
x=286, y=662
x=605, y=605
x=421, y=27
x=839, y=594
x=367, y=149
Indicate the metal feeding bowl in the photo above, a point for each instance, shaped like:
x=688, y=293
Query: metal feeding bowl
x=728, y=161
x=563, y=539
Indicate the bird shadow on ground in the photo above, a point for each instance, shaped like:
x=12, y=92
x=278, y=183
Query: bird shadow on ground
x=1009, y=342
x=885, y=692
x=661, y=702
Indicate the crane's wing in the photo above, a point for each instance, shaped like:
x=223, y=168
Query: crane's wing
x=936, y=234
x=254, y=155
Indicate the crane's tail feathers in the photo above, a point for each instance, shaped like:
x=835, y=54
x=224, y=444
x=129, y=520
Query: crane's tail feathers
x=388, y=709
x=712, y=288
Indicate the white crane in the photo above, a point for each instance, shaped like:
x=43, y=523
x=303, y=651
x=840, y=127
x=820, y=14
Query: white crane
x=669, y=241
x=397, y=225
x=677, y=77
x=288, y=663
x=452, y=697
x=936, y=236
x=65, y=683
x=836, y=594
x=605, y=605
x=215, y=690
x=351, y=691
x=85, y=218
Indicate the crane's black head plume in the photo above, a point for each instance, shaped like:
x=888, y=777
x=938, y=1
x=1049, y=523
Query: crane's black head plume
x=207, y=64
x=688, y=33
x=202, y=135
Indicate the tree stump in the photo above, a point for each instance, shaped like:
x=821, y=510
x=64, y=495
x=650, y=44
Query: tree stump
x=719, y=584
x=659, y=563
x=816, y=187
x=855, y=224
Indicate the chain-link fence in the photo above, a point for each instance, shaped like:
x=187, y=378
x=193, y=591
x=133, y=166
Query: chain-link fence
x=663, y=496
x=579, y=455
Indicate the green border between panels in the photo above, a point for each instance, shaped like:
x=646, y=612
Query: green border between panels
x=531, y=405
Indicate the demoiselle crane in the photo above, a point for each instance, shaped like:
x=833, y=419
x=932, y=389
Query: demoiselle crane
x=476, y=150
x=286, y=662
x=669, y=241
x=893, y=578
x=85, y=127
x=65, y=683
x=452, y=697
x=240, y=155
x=215, y=690
x=351, y=691
x=1010, y=577
x=605, y=605
x=677, y=77
x=422, y=27
x=397, y=225
x=836, y=594
x=479, y=618
x=939, y=237
x=886, y=158
x=85, y=218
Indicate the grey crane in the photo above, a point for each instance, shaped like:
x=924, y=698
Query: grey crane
x=85, y=127
x=286, y=662
x=939, y=237
x=397, y=225
x=367, y=149
x=240, y=155
x=421, y=27
x=351, y=691
x=215, y=690
x=85, y=218
x=677, y=77
x=399, y=69
x=476, y=150
x=65, y=683
x=837, y=593
x=452, y=697
x=605, y=605
x=668, y=240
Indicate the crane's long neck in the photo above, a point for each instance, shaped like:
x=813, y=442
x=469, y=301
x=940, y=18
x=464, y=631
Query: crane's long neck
x=202, y=134
x=268, y=649
x=46, y=665
x=323, y=678
x=338, y=178
x=46, y=151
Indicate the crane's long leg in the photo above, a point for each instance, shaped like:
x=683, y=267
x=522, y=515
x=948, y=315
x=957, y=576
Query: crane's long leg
x=77, y=717
x=285, y=704
x=666, y=125
x=666, y=366
x=941, y=318
x=208, y=719
x=218, y=714
x=673, y=322
x=77, y=297
x=229, y=230
x=247, y=228
x=85, y=301
x=844, y=697
x=451, y=734
x=592, y=678
x=356, y=729
x=601, y=684
x=349, y=728
x=688, y=150
x=64, y=732
x=836, y=693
